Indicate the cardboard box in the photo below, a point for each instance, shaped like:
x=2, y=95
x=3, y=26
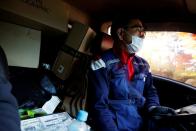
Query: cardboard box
x=63, y=65
x=75, y=47
x=52, y=13
x=80, y=37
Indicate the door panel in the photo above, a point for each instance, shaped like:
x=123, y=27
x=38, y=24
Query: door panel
x=174, y=94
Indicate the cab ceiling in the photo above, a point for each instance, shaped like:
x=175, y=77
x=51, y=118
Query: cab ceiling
x=149, y=10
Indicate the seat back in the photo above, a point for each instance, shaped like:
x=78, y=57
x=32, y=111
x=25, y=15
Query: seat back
x=3, y=64
x=101, y=43
x=76, y=87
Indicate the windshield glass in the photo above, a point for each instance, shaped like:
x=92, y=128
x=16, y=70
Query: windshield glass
x=172, y=55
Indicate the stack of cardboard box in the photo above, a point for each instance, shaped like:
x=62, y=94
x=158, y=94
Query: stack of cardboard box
x=71, y=65
x=76, y=46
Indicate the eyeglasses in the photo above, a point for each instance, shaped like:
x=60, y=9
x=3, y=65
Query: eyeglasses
x=136, y=28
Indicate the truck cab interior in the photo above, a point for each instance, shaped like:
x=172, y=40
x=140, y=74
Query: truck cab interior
x=48, y=46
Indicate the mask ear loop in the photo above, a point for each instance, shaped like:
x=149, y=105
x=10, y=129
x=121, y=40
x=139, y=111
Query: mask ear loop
x=127, y=33
x=119, y=33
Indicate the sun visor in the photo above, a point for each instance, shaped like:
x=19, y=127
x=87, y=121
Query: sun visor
x=21, y=45
x=43, y=13
x=191, y=5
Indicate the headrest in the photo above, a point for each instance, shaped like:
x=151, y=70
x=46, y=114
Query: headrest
x=107, y=42
x=3, y=64
x=101, y=43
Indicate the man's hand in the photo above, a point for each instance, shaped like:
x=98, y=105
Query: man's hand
x=158, y=111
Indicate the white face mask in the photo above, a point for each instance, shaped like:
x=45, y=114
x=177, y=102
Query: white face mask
x=135, y=45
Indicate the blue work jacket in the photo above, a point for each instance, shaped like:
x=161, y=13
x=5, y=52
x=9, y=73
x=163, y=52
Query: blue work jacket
x=116, y=100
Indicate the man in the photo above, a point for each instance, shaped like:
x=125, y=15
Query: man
x=121, y=83
x=9, y=117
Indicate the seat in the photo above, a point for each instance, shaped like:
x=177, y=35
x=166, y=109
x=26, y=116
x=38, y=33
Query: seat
x=101, y=43
x=76, y=89
x=8, y=105
x=3, y=64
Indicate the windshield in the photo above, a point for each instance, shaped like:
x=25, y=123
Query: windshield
x=171, y=54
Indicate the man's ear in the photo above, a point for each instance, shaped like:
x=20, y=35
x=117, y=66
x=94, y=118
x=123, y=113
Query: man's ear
x=120, y=33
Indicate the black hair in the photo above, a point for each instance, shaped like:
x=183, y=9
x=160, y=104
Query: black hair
x=120, y=21
x=95, y=47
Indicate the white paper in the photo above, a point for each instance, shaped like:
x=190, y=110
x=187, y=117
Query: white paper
x=54, y=122
x=51, y=105
x=191, y=109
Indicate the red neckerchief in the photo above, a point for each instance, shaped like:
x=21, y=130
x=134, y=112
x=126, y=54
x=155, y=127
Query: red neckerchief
x=130, y=67
x=126, y=58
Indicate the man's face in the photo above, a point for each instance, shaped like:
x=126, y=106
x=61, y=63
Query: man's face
x=135, y=28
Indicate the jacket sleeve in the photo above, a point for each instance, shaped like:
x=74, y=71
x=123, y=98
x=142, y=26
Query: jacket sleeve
x=8, y=108
x=150, y=93
x=98, y=79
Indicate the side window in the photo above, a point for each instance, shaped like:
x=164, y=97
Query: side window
x=171, y=55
